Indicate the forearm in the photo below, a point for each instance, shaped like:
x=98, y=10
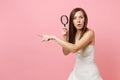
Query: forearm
x=66, y=45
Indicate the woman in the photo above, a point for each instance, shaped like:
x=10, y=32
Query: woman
x=79, y=40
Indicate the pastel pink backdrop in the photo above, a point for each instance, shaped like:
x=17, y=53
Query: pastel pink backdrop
x=23, y=56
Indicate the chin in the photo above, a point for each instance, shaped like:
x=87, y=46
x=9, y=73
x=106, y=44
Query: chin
x=80, y=28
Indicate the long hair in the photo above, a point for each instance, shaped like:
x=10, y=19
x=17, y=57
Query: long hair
x=72, y=29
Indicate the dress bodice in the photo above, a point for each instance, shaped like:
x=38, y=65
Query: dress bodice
x=86, y=55
x=85, y=67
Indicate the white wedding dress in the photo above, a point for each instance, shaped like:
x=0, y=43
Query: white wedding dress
x=85, y=67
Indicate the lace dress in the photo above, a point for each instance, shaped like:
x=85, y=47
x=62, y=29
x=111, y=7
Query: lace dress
x=85, y=67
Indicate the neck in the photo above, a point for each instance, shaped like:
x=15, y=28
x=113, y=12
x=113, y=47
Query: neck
x=78, y=34
x=78, y=31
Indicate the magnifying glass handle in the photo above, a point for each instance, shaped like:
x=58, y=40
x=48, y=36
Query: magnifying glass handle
x=64, y=25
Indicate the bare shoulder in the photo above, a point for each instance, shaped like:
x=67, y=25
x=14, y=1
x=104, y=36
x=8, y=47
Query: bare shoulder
x=90, y=32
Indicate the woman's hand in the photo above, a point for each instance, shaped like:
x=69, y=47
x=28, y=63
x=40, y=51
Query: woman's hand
x=65, y=33
x=46, y=37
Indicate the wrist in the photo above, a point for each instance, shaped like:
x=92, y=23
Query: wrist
x=53, y=37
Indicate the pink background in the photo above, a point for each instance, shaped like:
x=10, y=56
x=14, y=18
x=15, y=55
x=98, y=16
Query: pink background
x=23, y=56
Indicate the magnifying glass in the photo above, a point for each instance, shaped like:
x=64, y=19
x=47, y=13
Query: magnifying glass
x=64, y=20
